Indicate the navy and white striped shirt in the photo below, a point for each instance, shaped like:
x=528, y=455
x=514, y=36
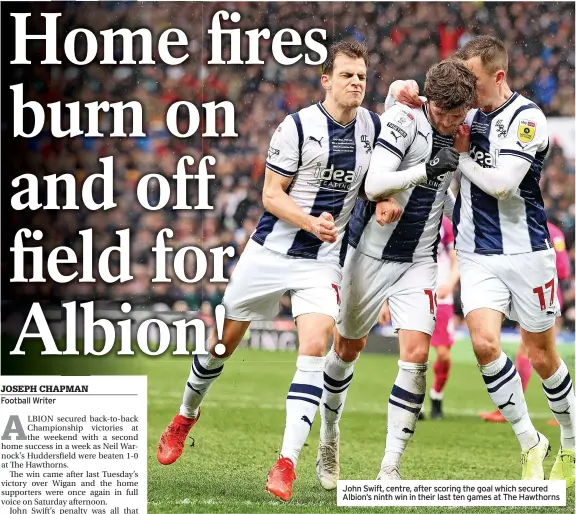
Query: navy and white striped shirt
x=518, y=132
x=327, y=162
x=407, y=138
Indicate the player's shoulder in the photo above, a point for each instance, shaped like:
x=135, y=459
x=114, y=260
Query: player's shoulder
x=366, y=115
x=307, y=114
x=520, y=106
x=403, y=116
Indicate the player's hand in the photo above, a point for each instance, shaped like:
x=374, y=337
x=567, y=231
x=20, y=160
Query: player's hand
x=384, y=316
x=388, y=211
x=444, y=161
x=323, y=227
x=462, y=139
x=443, y=291
x=406, y=93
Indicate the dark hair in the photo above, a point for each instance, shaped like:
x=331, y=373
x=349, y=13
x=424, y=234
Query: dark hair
x=491, y=51
x=450, y=85
x=353, y=49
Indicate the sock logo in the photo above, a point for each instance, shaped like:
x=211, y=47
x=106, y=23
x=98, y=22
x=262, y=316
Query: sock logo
x=509, y=402
x=335, y=411
x=407, y=431
x=306, y=420
x=565, y=412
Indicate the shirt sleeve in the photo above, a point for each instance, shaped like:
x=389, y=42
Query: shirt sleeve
x=284, y=150
x=526, y=134
x=398, y=129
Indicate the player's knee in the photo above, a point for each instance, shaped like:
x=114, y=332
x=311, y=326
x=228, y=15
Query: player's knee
x=348, y=349
x=231, y=336
x=417, y=353
x=544, y=362
x=314, y=346
x=486, y=346
x=414, y=346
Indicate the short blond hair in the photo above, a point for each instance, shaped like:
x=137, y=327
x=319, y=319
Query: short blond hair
x=490, y=49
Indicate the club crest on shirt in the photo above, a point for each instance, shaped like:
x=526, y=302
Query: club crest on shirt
x=526, y=131
x=501, y=131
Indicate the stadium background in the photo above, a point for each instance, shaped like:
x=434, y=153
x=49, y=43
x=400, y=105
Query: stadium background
x=404, y=40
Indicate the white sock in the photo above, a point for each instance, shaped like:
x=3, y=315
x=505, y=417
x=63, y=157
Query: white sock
x=203, y=372
x=435, y=395
x=404, y=406
x=337, y=378
x=505, y=390
x=560, y=394
x=302, y=403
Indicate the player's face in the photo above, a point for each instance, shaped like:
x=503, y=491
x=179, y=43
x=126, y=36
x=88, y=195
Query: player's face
x=348, y=81
x=486, y=83
x=446, y=122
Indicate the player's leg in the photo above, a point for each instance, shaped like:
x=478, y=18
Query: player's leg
x=338, y=373
x=362, y=296
x=412, y=309
x=485, y=300
x=247, y=297
x=442, y=341
x=536, y=306
x=559, y=391
x=524, y=369
x=315, y=297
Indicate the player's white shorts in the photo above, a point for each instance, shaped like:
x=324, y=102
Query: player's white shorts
x=408, y=287
x=522, y=286
x=262, y=276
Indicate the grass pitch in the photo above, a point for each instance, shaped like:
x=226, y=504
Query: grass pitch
x=239, y=434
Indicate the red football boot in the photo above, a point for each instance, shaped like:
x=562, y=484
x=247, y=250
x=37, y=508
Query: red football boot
x=493, y=417
x=171, y=444
x=553, y=423
x=281, y=478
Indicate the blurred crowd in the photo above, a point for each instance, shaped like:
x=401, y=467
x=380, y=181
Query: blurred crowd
x=404, y=40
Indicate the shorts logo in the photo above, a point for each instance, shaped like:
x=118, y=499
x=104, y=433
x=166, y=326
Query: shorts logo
x=336, y=288
x=526, y=131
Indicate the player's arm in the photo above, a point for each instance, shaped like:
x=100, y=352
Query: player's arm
x=514, y=159
x=277, y=202
x=383, y=180
x=281, y=167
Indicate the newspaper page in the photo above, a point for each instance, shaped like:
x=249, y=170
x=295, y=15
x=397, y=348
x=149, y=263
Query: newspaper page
x=287, y=256
x=73, y=444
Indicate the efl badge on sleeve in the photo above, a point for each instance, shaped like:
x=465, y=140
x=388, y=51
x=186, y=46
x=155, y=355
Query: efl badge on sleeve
x=526, y=131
